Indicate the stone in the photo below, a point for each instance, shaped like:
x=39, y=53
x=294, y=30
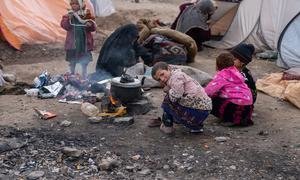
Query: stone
x=108, y=164
x=71, y=152
x=136, y=157
x=232, y=167
x=35, y=175
x=221, y=139
x=139, y=107
x=130, y=168
x=93, y=169
x=145, y=171
x=95, y=119
x=65, y=123
x=124, y=120
x=9, y=77
x=166, y=167
x=263, y=133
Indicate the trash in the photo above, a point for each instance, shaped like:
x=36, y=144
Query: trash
x=53, y=89
x=42, y=80
x=268, y=54
x=69, y=102
x=44, y=114
x=89, y=109
x=65, y=123
x=32, y=92
x=221, y=139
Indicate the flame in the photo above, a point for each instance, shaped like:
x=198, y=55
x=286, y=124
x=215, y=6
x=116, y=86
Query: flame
x=112, y=100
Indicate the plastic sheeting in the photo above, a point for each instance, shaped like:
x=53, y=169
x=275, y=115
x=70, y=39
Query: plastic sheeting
x=33, y=21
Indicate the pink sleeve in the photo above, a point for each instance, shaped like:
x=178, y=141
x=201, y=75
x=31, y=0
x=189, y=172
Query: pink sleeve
x=214, y=86
x=65, y=23
x=177, y=87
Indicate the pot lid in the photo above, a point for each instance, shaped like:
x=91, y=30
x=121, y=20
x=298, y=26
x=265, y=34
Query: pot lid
x=116, y=82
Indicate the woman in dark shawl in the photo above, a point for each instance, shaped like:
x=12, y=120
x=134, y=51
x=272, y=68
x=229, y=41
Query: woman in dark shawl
x=121, y=50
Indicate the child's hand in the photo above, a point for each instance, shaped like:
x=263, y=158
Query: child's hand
x=89, y=24
x=166, y=89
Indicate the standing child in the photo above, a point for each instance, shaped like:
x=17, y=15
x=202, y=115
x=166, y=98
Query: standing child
x=231, y=97
x=185, y=102
x=243, y=56
x=79, y=40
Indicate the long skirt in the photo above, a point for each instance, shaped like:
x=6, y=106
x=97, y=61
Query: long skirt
x=190, y=118
x=227, y=111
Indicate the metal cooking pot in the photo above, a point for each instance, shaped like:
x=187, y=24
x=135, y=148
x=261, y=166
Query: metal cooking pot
x=126, y=92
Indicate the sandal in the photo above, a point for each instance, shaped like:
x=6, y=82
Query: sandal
x=154, y=122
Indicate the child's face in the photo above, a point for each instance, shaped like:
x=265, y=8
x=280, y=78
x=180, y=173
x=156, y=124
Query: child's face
x=162, y=76
x=238, y=64
x=75, y=5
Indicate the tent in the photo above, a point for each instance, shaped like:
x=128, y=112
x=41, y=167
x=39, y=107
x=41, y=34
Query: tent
x=267, y=24
x=33, y=21
x=103, y=7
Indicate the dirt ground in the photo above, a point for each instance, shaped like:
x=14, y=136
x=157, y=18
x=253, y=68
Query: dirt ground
x=269, y=149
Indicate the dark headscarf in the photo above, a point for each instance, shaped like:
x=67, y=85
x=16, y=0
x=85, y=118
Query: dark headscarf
x=120, y=50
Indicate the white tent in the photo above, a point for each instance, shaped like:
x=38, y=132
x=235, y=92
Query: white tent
x=267, y=24
x=103, y=7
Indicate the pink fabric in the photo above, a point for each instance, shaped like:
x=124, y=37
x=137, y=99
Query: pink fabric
x=229, y=84
x=181, y=84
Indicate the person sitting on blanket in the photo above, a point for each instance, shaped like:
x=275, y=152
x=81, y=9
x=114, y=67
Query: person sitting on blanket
x=185, y=102
x=231, y=97
x=243, y=56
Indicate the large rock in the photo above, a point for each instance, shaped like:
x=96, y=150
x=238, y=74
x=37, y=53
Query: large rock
x=108, y=164
x=72, y=152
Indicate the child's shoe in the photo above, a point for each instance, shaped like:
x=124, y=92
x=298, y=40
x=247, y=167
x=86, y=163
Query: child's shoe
x=167, y=130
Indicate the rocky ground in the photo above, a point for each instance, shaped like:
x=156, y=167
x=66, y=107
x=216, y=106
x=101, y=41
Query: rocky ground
x=53, y=149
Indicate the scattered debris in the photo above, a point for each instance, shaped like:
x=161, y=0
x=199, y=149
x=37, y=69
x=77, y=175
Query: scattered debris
x=44, y=114
x=263, y=133
x=65, y=123
x=221, y=139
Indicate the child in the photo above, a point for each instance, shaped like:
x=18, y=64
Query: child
x=185, y=102
x=79, y=41
x=231, y=97
x=243, y=56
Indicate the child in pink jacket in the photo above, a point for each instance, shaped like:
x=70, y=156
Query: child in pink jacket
x=231, y=97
